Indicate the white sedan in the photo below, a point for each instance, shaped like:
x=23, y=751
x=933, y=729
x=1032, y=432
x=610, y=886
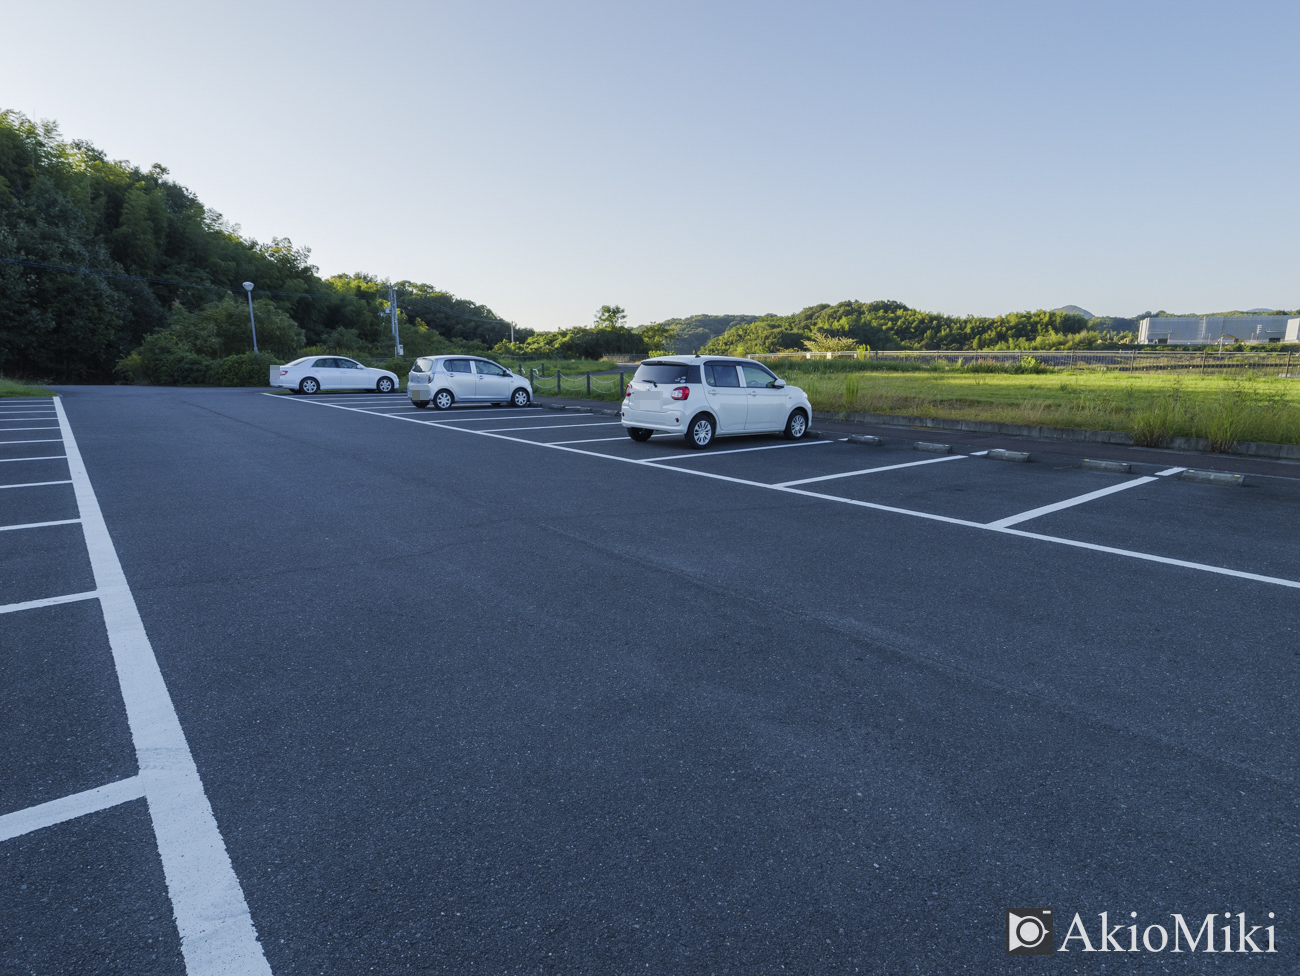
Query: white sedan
x=311, y=374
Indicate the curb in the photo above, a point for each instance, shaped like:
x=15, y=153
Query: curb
x=1118, y=467
x=998, y=454
x=932, y=448
x=1212, y=477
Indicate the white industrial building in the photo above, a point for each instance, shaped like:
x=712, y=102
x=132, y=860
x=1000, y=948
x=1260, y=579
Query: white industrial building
x=1207, y=330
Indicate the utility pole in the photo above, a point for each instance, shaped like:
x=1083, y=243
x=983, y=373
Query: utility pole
x=392, y=314
x=248, y=287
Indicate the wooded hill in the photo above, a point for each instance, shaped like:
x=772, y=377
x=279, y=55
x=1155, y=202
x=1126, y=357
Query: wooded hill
x=146, y=255
x=892, y=325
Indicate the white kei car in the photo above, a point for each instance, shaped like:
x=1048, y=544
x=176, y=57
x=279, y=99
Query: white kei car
x=701, y=397
x=444, y=380
x=311, y=374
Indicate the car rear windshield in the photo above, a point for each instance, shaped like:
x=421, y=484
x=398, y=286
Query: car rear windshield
x=422, y=366
x=668, y=373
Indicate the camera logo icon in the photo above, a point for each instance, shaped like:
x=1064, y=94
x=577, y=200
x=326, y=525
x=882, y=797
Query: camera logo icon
x=1029, y=932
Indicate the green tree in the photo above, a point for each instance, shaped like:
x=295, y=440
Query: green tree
x=610, y=317
x=222, y=328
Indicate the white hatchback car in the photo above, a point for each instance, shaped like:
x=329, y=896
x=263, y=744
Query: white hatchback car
x=702, y=397
x=444, y=380
x=311, y=374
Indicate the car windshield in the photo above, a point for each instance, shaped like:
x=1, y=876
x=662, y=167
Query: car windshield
x=667, y=373
x=422, y=366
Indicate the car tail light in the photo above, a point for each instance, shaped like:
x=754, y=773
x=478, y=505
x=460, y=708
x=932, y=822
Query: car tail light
x=681, y=392
x=284, y=372
x=628, y=391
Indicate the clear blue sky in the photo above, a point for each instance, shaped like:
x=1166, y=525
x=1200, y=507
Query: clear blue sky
x=715, y=157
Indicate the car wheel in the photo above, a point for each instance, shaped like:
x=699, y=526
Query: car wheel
x=796, y=426
x=443, y=399
x=385, y=385
x=700, y=433
x=519, y=398
x=639, y=433
x=309, y=385
x=420, y=404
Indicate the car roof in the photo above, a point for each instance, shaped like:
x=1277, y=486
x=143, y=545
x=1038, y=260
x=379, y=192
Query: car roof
x=687, y=360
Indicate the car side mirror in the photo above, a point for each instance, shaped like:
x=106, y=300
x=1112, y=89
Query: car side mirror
x=779, y=384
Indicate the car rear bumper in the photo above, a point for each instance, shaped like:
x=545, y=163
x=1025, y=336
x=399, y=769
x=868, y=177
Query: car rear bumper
x=653, y=420
x=420, y=393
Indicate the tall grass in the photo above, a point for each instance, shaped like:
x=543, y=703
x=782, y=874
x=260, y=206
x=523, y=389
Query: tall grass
x=1152, y=408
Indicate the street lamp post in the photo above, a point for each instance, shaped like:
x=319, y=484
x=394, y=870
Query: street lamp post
x=248, y=287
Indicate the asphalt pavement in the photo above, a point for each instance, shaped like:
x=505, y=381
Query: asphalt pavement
x=472, y=691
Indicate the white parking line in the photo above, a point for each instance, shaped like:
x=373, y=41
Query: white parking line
x=739, y=450
x=37, y=525
x=216, y=929
x=1169, y=471
x=70, y=807
x=887, y=467
x=35, y=440
x=10, y=430
x=37, y=484
x=524, y=414
x=1068, y=503
x=928, y=516
x=591, y=440
x=47, y=457
x=497, y=430
x=49, y=601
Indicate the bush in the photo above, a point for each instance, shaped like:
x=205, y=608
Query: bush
x=165, y=362
x=222, y=328
x=245, y=369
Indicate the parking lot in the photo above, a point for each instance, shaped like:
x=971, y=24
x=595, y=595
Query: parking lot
x=331, y=684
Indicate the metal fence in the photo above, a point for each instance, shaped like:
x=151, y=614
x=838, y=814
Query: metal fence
x=587, y=383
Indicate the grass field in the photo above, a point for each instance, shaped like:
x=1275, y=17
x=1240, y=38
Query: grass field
x=12, y=388
x=1151, y=407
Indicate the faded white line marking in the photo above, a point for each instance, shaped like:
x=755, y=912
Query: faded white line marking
x=1068, y=503
x=593, y=440
x=496, y=430
x=1132, y=554
x=35, y=440
x=49, y=601
x=37, y=484
x=48, y=457
x=37, y=525
x=735, y=450
x=10, y=430
x=216, y=929
x=887, y=467
x=1169, y=471
x=444, y=416
x=70, y=807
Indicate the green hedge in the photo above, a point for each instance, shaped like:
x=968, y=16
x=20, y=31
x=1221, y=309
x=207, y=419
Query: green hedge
x=161, y=361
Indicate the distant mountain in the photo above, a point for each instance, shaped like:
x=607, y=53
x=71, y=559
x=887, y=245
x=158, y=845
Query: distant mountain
x=1075, y=310
x=1260, y=311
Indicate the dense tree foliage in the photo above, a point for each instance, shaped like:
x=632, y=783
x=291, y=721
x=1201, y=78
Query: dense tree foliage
x=892, y=325
x=689, y=335
x=64, y=203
